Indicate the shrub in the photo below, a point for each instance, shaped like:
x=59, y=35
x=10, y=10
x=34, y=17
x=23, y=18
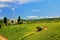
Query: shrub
x=0, y=25
x=38, y=29
x=20, y=22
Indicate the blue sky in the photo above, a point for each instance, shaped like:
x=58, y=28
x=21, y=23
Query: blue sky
x=29, y=9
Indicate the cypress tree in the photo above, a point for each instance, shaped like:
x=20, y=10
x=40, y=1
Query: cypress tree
x=18, y=20
x=5, y=20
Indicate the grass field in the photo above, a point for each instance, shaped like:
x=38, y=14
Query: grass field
x=27, y=31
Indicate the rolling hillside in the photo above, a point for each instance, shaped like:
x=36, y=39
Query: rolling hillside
x=28, y=31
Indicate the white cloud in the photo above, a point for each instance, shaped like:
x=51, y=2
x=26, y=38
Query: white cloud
x=40, y=17
x=35, y=10
x=52, y=16
x=49, y=17
x=13, y=9
x=14, y=1
x=36, y=17
x=26, y=1
x=57, y=16
x=3, y=5
x=7, y=0
x=20, y=1
x=32, y=17
x=1, y=17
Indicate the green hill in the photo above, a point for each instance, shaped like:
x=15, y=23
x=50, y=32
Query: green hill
x=28, y=31
x=52, y=33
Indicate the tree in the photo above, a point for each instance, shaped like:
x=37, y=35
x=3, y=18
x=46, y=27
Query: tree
x=38, y=29
x=5, y=20
x=0, y=25
x=19, y=20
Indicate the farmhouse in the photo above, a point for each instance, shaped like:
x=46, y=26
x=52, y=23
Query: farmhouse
x=13, y=21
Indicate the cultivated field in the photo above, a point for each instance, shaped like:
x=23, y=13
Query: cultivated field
x=28, y=31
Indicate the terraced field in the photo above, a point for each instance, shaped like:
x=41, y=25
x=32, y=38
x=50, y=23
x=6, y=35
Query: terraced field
x=27, y=31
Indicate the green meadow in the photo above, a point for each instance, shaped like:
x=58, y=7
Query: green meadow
x=27, y=31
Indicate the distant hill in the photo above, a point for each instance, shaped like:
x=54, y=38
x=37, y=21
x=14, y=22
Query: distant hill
x=43, y=20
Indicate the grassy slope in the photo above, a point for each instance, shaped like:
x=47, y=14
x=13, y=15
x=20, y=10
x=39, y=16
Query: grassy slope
x=16, y=32
x=52, y=33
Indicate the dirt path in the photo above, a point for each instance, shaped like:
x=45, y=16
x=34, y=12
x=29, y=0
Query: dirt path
x=31, y=34
x=3, y=38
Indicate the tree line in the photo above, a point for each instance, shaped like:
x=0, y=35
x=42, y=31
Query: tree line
x=5, y=20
